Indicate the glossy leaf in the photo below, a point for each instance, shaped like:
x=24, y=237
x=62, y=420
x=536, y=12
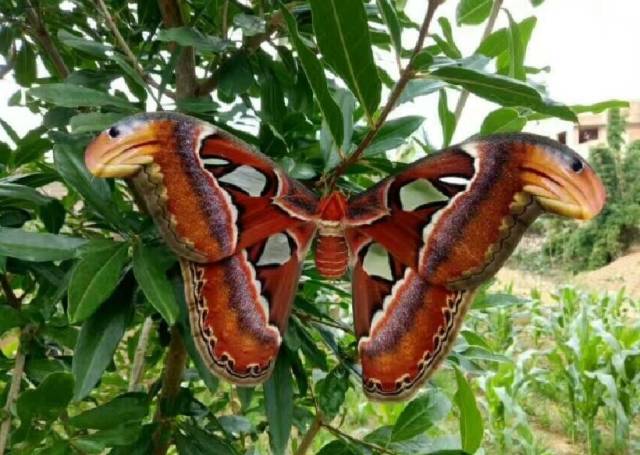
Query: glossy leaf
x=472, y=12
x=471, y=423
x=447, y=119
x=317, y=80
x=187, y=36
x=331, y=391
x=342, y=33
x=502, y=90
x=278, y=401
x=154, y=283
x=394, y=133
x=390, y=17
x=99, y=338
x=47, y=401
x=69, y=95
x=503, y=120
x=124, y=409
x=33, y=246
x=420, y=414
x=93, y=121
x=94, y=279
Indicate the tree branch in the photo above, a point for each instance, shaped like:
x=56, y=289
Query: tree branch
x=186, y=82
x=12, y=396
x=464, y=96
x=12, y=300
x=405, y=77
x=127, y=50
x=42, y=36
x=138, y=358
x=310, y=435
x=175, y=363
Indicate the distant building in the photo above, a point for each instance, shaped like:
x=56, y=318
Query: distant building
x=591, y=129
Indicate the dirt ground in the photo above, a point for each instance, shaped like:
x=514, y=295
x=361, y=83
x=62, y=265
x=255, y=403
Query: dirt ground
x=623, y=272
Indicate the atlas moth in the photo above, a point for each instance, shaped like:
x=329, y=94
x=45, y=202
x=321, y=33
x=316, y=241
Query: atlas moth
x=417, y=244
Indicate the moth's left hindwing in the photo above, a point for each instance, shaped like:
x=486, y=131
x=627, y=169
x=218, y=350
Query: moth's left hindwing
x=239, y=307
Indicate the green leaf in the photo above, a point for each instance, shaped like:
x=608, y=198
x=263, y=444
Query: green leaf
x=38, y=247
x=420, y=414
x=196, y=441
x=342, y=33
x=99, y=338
x=332, y=390
x=69, y=162
x=390, y=17
x=13, y=191
x=47, y=401
x=447, y=119
x=419, y=87
x=69, y=95
x=502, y=90
x=94, y=279
x=517, y=50
x=91, y=47
x=448, y=45
x=251, y=25
x=394, y=133
x=25, y=65
x=10, y=318
x=93, y=121
x=339, y=447
x=121, y=435
x=503, y=120
x=154, y=283
x=278, y=402
x=188, y=36
x=595, y=108
x=471, y=423
x=473, y=12
x=129, y=408
x=317, y=80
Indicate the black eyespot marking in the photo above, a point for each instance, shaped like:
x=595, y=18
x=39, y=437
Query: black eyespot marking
x=113, y=132
x=577, y=166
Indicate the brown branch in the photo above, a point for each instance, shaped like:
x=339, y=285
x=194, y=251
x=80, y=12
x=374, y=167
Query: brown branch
x=42, y=36
x=126, y=49
x=405, y=77
x=464, y=96
x=175, y=363
x=12, y=396
x=138, y=358
x=12, y=300
x=310, y=435
x=186, y=82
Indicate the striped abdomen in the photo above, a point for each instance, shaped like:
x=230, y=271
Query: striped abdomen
x=332, y=256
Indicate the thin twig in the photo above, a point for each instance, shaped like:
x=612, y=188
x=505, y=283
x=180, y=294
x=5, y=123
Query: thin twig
x=464, y=96
x=42, y=36
x=8, y=292
x=127, y=50
x=344, y=435
x=331, y=323
x=405, y=77
x=12, y=396
x=138, y=358
x=310, y=435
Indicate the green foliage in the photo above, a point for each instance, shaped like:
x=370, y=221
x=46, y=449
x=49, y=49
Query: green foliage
x=97, y=354
x=618, y=226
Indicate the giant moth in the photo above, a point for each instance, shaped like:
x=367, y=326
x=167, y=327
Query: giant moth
x=416, y=245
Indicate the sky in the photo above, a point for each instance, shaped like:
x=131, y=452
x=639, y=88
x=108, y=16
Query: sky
x=591, y=47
